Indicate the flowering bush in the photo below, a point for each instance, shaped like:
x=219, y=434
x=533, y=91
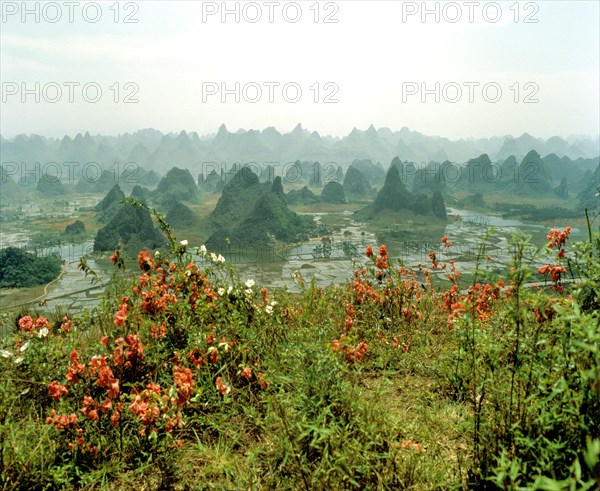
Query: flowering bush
x=197, y=372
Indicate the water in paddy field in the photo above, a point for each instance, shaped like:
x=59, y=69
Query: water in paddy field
x=72, y=290
x=327, y=262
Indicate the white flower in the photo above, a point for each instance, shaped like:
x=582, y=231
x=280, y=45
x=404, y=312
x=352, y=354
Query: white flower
x=220, y=259
x=273, y=303
x=225, y=346
x=221, y=292
x=5, y=354
x=269, y=309
x=24, y=347
x=213, y=257
x=248, y=292
x=202, y=250
x=188, y=273
x=157, y=253
x=18, y=360
x=250, y=283
x=184, y=243
x=43, y=332
x=229, y=289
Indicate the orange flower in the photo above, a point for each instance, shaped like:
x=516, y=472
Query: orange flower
x=26, y=323
x=558, y=238
x=433, y=259
x=120, y=318
x=185, y=384
x=42, y=322
x=62, y=422
x=145, y=261
x=261, y=381
x=247, y=373
x=135, y=349
x=77, y=366
x=369, y=251
x=196, y=357
x=223, y=389
x=381, y=262
x=57, y=390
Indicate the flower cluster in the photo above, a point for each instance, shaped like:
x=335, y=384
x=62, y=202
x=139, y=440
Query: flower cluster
x=170, y=322
x=556, y=239
x=379, y=304
x=481, y=299
x=353, y=354
x=40, y=326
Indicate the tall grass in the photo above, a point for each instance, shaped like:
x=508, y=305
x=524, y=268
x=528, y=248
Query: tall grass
x=187, y=376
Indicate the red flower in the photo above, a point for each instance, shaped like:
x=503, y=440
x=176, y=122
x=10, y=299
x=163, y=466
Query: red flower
x=89, y=408
x=135, y=349
x=223, y=389
x=214, y=354
x=120, y=318
x=383, y=251
x=62, y=422
x=56, y=390
x=558, y=238
x=433, y=259
x=196, y=357
x=42, y=322
x=26, y=323
x=381, y=262
x=247, y=373
x=369, y=251
x=107, y=381
x=145, y=261
x=261, y=381
x=185, y=384
x=76, y=366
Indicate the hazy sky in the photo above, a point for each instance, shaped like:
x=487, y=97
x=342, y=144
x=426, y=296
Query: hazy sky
x=374, y=61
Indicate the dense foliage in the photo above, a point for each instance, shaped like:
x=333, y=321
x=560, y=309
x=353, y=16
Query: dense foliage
x=20, y=268
x=130, y=227
x=251, y=213
x=77, y=227
x=177, y=185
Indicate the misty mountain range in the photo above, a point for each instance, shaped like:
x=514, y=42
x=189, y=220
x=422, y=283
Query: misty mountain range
x=154, y=150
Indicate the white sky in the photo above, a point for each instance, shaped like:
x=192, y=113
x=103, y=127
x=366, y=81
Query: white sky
x=368, y=54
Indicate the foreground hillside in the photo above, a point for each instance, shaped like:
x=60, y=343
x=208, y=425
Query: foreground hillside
x=188, y=377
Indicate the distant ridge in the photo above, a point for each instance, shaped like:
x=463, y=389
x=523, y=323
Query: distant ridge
x=154, y=150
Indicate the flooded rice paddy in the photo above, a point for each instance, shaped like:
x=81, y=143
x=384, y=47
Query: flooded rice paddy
x=326, y=261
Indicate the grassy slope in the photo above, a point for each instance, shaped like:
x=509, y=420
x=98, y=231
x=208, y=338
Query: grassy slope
x=403, y=417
